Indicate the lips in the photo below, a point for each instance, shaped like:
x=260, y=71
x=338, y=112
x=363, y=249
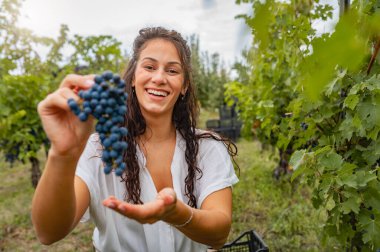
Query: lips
x=156, y=92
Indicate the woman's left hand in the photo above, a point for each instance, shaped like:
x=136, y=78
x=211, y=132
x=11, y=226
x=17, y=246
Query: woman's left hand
x=150, y=212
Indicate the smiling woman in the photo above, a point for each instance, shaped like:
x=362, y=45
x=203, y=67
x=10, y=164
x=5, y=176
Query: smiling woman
x=175, y=193
x=159, y=79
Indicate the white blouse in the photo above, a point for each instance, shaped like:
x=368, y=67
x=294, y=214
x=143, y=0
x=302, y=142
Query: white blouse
x=115, y=232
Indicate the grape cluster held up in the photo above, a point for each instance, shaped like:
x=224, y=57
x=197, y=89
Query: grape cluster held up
x=106, y=101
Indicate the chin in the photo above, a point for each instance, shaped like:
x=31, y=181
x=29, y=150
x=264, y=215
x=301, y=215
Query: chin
x=154, y=111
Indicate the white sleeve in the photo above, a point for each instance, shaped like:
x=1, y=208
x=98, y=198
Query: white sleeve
x=216, y=165
x=88, y=168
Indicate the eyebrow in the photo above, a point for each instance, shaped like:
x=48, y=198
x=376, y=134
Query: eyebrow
x=170, y=62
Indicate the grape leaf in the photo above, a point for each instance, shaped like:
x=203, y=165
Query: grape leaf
x=371, y=228
x=362, y=178
x=296, y=162
x=331, y=160
x=351, y=204
x=351, y=101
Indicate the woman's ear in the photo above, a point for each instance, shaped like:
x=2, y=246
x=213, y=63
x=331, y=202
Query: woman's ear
x=184, y=90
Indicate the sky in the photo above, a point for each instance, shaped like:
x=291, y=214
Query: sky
x=212, y=20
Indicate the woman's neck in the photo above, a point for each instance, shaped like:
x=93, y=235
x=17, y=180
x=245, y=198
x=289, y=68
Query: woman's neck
x=158, y=129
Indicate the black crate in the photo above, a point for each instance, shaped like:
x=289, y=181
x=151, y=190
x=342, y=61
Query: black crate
x=213, y=124
x=249, y=241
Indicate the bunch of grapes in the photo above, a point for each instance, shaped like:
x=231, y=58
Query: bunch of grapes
x=106, y=101
x=304, y=125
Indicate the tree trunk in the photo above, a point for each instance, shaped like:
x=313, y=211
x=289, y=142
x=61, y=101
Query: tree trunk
x=344, y=6
x=35, y=171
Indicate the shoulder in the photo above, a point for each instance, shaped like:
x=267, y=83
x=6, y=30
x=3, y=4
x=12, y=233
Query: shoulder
x=208, y=138
x=211, y=145
x=204, y=138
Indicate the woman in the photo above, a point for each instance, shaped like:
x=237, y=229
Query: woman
x=175, y=194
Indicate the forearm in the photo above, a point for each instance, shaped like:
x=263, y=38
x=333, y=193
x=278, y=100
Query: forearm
x=210, y=227
x=54, y=206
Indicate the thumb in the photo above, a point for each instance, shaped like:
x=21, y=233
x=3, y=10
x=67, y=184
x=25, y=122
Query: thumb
x=168, y=195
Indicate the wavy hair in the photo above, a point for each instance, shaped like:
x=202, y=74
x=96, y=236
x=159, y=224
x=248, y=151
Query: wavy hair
x=184, y=118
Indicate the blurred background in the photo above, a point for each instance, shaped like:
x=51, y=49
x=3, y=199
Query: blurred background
x=295, y=84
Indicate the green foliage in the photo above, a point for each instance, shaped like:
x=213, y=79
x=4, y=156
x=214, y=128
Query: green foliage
x=312, y=95
x=16, y=44
x=344, y=166
x=345, y=122
x=209, y=75
x=96, y=53
x=26, y=78
x=348, y=44
x=20, y=130
x=22, y=86
x=280, y=212
x=267, y=78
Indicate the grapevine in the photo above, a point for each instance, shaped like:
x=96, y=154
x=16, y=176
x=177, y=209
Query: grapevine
x=106, y=101
x=317, y=96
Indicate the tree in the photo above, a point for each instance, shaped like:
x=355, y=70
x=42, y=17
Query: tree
x=21, y=134
x=96, y=54
x=26, y=79
x=209, y=75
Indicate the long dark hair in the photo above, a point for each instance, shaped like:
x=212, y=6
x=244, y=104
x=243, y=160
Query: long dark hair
x=184, y=118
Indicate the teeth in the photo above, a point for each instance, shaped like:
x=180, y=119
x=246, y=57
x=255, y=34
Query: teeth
x=156, y=92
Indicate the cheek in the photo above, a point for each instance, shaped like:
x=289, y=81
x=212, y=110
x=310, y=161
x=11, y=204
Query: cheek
x=139, y=75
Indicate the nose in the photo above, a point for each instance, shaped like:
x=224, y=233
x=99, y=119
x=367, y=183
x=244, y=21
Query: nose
x=159, y=77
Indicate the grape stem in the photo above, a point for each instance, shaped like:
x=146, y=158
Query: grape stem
x=377, y=47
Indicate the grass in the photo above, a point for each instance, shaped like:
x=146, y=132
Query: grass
x=16, y=231
x=281, y=213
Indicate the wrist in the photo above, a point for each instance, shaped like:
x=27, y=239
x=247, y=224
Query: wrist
x=187, y=222
x=63, y=158
x=62, y=166
x=71, y=153
x=182, y=215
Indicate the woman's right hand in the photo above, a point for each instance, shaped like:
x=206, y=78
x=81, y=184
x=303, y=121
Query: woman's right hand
x=67, y=134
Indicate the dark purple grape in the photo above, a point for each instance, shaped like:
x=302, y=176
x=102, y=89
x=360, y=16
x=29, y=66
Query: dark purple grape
x=98, y=79
x=119, y=171
x=86, y=95
x=107, y=75
x=116, y=79
x=72, y=104
x=107, y=169
x=83, y=116
x=106, y=101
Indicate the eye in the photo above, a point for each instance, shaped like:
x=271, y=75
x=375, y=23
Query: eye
x=172, y=71
x=149, y=67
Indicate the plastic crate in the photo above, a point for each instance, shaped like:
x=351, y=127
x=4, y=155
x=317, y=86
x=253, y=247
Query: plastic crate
x=249, y=241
